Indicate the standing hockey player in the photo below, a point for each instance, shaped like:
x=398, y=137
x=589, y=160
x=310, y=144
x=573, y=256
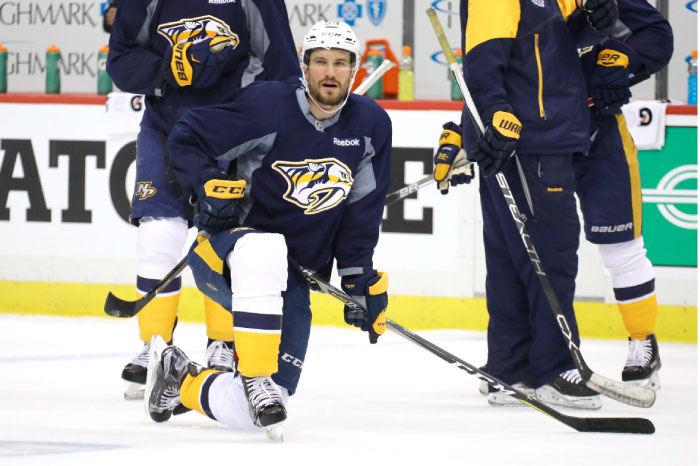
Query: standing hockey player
x=525, y=77
x=312, y=175
x=185, y=54
x=608, y=181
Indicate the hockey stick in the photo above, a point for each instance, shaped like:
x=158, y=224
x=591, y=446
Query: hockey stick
x=631, y=425
x=374, y=77
x=632, y=395
x=117, y=307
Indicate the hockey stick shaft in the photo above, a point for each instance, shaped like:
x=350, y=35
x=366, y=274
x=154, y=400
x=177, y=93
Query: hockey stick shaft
x=632, y=395
x=117, y=307
x=617, y=425
x=374, y=77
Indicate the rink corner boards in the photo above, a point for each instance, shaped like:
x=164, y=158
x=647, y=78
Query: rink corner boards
x=595, y=319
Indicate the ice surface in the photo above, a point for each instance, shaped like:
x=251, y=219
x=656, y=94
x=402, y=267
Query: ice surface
x=392, y=403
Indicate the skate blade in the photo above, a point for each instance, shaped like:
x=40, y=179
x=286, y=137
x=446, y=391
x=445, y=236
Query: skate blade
x=570, y=402
x=653, y=382
x=134, y=391
x=275, y=432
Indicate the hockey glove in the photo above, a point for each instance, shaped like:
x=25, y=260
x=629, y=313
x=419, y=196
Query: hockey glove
x=370, y=290
x=217, y=201
x=610, y=82
x=450, y=153
x=602, y=14
x=497, y=143
x=198, y=64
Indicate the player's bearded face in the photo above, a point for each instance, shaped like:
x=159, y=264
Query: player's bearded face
x=328, y=74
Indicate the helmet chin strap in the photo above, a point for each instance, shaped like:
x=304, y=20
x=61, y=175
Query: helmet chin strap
x=330, y=112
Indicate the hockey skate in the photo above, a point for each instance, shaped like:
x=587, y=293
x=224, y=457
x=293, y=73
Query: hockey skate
x=643, y=363
x=167, y=368
x=499, y=398
x=220, y=355
x=265, y=405
x=134, y=374
x=568, y=390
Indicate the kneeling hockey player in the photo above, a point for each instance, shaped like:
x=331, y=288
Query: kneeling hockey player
x=309, y=172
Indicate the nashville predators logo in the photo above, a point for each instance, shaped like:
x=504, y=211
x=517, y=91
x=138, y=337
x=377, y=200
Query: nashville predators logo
x=196, y=30
x=315, y=185
x=144, y=190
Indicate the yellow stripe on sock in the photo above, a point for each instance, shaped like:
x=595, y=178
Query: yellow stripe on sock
x=257, y=352
x=191, y=388
x=158, y=317
x=639, y=317
x=219, y=321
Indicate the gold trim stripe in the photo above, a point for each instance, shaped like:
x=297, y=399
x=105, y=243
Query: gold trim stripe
x=595, y=320
x=635, y=178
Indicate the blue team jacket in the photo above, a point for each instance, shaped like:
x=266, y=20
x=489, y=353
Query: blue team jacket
x=521, y=53
x=321, y=184
x=144, y=30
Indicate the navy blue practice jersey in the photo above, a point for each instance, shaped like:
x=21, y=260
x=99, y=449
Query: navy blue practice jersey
x=144, y=31
x=321, y=184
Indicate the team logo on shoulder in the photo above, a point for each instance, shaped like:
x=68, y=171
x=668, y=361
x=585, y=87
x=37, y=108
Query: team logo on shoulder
x=144, y=190
x=196, y=30
x=315, y=185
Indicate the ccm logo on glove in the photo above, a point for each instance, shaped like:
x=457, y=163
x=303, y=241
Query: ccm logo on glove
x=225, y=189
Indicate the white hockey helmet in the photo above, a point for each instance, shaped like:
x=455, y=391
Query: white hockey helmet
x=331, y=35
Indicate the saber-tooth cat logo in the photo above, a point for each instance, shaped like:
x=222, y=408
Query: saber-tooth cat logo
x=315, y=185
x=196, y=30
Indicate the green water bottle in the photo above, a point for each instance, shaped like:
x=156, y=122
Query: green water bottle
x=3, y=69
x=374, y=60
x=53, y=73
x=455, y=93
x=104, y=82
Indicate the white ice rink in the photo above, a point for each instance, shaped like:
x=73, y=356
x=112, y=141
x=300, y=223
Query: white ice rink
x=392, y=403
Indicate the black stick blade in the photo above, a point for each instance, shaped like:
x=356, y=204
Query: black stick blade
x=117, y=307
x=621, y=425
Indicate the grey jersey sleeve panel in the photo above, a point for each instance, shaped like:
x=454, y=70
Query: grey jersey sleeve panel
x=259, y=42
x=249, y=156
x=144, y=34
x=365, y=181
x=261, y=145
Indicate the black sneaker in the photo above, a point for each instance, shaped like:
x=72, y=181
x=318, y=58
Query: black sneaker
x=568, y=390
x=643, y=363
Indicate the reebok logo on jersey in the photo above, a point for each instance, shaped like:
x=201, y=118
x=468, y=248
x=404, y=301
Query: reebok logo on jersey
x=347, y=142
x=315, y=185
x=612, y=228
x=219, y=2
